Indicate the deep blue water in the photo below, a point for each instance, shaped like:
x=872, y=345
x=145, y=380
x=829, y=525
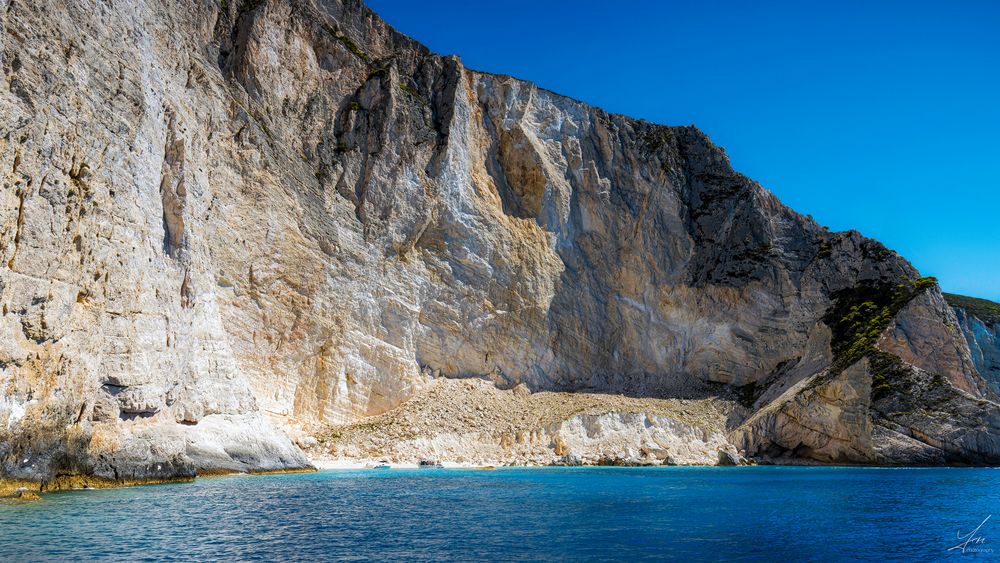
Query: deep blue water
x=571, y=514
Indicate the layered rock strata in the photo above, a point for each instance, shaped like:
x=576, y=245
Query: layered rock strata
x=979, y=320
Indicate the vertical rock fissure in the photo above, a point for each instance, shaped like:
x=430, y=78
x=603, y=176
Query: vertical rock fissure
x=21, y=195
x=172, y=190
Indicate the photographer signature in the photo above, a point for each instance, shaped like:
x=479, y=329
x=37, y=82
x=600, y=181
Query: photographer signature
x=972, y=539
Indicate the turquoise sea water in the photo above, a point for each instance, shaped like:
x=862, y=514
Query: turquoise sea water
x=567, y=514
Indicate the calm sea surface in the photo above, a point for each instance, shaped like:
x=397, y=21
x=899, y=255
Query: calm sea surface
x=686, y=514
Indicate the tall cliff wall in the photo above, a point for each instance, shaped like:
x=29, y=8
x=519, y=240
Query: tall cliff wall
x=979, y=320
x=231, y=216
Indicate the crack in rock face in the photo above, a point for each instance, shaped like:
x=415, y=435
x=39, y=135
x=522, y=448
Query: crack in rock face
x=172, y=190
x=229, y=224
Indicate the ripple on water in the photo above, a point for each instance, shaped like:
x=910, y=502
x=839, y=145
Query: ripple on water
x=757, y=513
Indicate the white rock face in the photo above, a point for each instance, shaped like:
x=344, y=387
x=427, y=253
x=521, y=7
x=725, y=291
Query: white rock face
x=635, y=438
x=473, y=422
x=229, y=211
x=607, y=438
x=983, y=337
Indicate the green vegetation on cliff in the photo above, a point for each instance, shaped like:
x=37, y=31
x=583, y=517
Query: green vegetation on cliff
x=861, y=313
x=983, y=309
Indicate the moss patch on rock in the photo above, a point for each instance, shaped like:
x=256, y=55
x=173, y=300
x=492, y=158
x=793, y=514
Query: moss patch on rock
x=889, y=374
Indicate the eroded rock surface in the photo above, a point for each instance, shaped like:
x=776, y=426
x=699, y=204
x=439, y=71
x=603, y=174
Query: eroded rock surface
x=979, y=320
x=473, y=422
x=221, y=220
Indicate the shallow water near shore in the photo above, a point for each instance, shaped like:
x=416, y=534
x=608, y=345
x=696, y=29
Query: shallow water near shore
x=689, y=514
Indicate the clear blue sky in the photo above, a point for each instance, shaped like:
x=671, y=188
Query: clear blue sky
x=878, y=116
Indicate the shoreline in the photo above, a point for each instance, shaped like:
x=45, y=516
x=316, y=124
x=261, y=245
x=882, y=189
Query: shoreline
x=333, y=464
x=26, y=491
x=326, y=464
x=12, y=488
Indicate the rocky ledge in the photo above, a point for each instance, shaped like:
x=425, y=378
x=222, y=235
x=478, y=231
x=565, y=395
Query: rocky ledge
x=471, y=422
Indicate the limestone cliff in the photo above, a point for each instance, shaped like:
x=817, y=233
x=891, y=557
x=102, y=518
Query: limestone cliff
x=979, y=320
x=226, y=218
